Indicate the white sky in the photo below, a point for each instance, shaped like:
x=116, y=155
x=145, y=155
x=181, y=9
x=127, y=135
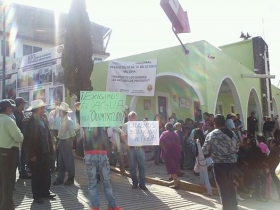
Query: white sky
x=141, y=25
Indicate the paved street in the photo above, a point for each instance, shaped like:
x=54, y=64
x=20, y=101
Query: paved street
x=158, y=197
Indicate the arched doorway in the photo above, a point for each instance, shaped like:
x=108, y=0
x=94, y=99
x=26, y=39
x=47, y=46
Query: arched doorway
x=173, y=87
x=254, y=105
x=227, y=99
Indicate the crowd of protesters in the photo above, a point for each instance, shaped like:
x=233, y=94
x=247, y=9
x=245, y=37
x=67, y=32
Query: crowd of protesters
x=39, y=143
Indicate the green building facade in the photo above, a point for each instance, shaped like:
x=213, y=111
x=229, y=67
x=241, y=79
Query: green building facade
x=207, y=79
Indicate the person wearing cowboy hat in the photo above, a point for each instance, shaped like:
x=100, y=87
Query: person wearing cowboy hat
x=66, y=135
x=38, y=148
x=11, y=136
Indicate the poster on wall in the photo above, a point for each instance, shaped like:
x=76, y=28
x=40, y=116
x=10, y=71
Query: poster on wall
x=11, y=87
x=197, y=111
x=41, y=75
x=39, y=94
x=25, y=96
x=56, y=95
x=11, y=78
x=132, y=78
x=185, y=103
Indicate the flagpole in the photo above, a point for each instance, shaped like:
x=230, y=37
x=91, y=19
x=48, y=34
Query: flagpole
x=263, y=29
x=4, y=54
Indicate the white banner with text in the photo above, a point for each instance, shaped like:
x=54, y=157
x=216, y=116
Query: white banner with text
x=143, y=133
x=132, y=78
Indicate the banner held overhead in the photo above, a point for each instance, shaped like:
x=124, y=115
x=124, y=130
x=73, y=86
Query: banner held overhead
x=132, y=78
x=102, y=109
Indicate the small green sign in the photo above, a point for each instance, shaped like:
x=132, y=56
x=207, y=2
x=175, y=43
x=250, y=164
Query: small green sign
x=102, y=109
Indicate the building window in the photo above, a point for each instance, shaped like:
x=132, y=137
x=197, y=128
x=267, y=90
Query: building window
x=7, y=48
x=97, y=60
x=232, y=108
x=37, y=49
x=220, y=108
x=27, y=49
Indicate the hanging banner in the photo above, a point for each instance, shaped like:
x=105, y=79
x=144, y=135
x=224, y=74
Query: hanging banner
x=102, y=109
x=41, y=75
x=132, y=78
x=143, y=133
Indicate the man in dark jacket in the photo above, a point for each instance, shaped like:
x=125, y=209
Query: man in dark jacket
x=38, y=147
x=268, y=127
x=252, y=123
x=18, y=113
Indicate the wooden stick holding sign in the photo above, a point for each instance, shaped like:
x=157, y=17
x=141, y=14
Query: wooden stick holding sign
x=143, y=133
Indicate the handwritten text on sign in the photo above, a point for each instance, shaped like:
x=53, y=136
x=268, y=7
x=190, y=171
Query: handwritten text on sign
x=143, y=133
x=102, y=109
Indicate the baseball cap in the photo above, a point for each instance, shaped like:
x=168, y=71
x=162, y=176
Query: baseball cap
x=20, y=100
x=4, y=104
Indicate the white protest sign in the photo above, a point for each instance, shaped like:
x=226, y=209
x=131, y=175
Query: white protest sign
x=132, y=78
x=102, y=109
x=143, y=133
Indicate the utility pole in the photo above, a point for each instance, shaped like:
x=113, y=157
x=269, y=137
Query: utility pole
x=4, y=54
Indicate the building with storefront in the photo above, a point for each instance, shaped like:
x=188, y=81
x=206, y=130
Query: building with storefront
x=217, y=80
x=37, y=32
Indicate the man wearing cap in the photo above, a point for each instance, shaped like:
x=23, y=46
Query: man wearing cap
x=136, y=158
x=66, y=135
x=38, y=148
x=19, y=116
x=10, y=139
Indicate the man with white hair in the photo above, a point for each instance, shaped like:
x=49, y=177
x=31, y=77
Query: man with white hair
x=137, y=158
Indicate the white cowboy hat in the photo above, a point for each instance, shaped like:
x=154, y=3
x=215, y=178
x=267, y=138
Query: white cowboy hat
x=233, y=115
x=36, y=104
x=64, y=107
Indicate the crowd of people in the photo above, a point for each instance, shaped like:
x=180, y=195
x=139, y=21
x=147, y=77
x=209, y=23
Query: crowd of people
x=39, y=142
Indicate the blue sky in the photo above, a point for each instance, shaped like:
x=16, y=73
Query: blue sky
x=141, y=25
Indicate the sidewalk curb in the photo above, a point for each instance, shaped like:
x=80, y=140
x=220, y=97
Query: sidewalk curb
x=183, y=184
